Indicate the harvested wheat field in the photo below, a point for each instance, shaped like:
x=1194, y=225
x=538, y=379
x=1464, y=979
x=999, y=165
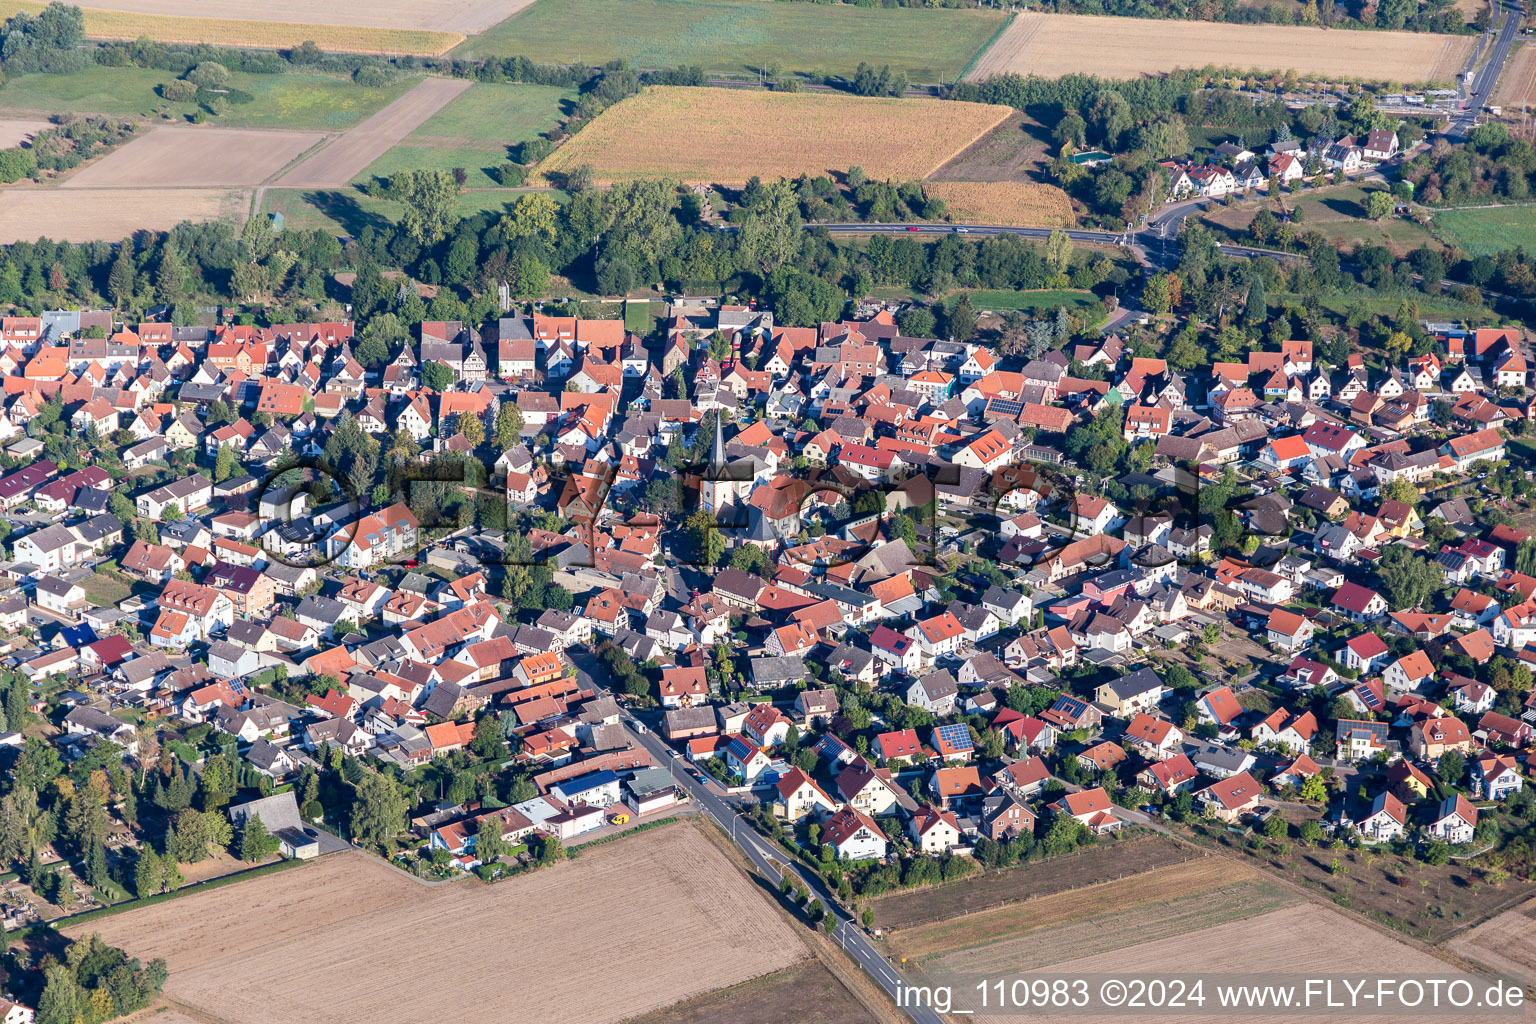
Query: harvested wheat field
x=725, y=136
x=352, y=153
x=1517, y=83
x=806, y=993
x=1296, y=941
x=14, y=133
x=1060, y=44
x=1505, y=942
x=182, y=156
x=89, y=214
x=985, y=928
x=616, y=933
x=349, y=26
x=1012, y=203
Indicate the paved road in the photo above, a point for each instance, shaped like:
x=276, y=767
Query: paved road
x=773, y=864
x=1483, y=82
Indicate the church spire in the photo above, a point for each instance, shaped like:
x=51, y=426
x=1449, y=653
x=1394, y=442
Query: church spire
x=717, y=446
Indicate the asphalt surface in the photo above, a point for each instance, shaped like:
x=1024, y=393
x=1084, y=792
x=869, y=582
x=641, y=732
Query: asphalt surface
x=1483, y=81
x=772, y=864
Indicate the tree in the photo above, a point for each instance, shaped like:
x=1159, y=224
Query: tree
x=1407, y=581
x=256, y=843
x=224, y=464
x=509, y=425
x=148, y=873
x=1311, y=831
x=1275, y=827
x=1451, y=767
x=962, y=320
x=379, y=812
x=472, y=427
x=60, y=1001
x=1314, y=789
x=489, y=842
x=437, y=376
x=428, y=198
x=1058, y=250
x=488, y=743
x=705, y=537
x=1378, y=204
x=170, y=275
x=120, y=282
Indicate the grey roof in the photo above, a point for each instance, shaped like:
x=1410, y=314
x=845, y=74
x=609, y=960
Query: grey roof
x=773, y=670
x=1138, y=682
x=444, y=696
x=280, y=810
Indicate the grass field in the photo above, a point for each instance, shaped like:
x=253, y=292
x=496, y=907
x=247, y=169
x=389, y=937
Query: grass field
x=1489, y=231
x=726, y=136
x=242, y=31
x=1338, y=212
x=807, y=993
x=620, y=913
x=1060, y=44
x=348, y=156
x=474, y=130
x=300, y=100
x=346, y=211
x=465, y=16
x=1014, y=203
x=743, y=36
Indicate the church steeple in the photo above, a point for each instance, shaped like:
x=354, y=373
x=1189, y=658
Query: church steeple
x=717, y=446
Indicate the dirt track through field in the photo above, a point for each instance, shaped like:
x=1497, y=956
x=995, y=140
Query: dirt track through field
x=625, y=929
x=1060, y=44
x=466, y=16
x=348, y=156
x=1506, y=942
x=184, y=155
x=91, y=214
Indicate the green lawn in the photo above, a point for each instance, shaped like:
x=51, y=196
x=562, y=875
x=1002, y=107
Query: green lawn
x=1489, y=231
x=474, y=131
x=348, y=211
x=1337, y=211
x=496, y=113
x=743, y=35
x=477, y=162
x=105, y=589
x=282, y=101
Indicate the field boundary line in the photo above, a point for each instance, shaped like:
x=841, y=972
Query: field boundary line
x=991, y=41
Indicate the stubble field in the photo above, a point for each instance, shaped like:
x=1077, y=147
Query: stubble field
x=184, y=155
x=725, y=136
x=1517, y=83
x=347, y=26
x=88, y=214
x=14, y=133
x=1506, y=942
x=1059, y=44
x=1013, y=203
x=626, y=929
x=989, y=930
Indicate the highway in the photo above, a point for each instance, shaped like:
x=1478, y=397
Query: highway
x=1483, y=81
x=773, y=864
